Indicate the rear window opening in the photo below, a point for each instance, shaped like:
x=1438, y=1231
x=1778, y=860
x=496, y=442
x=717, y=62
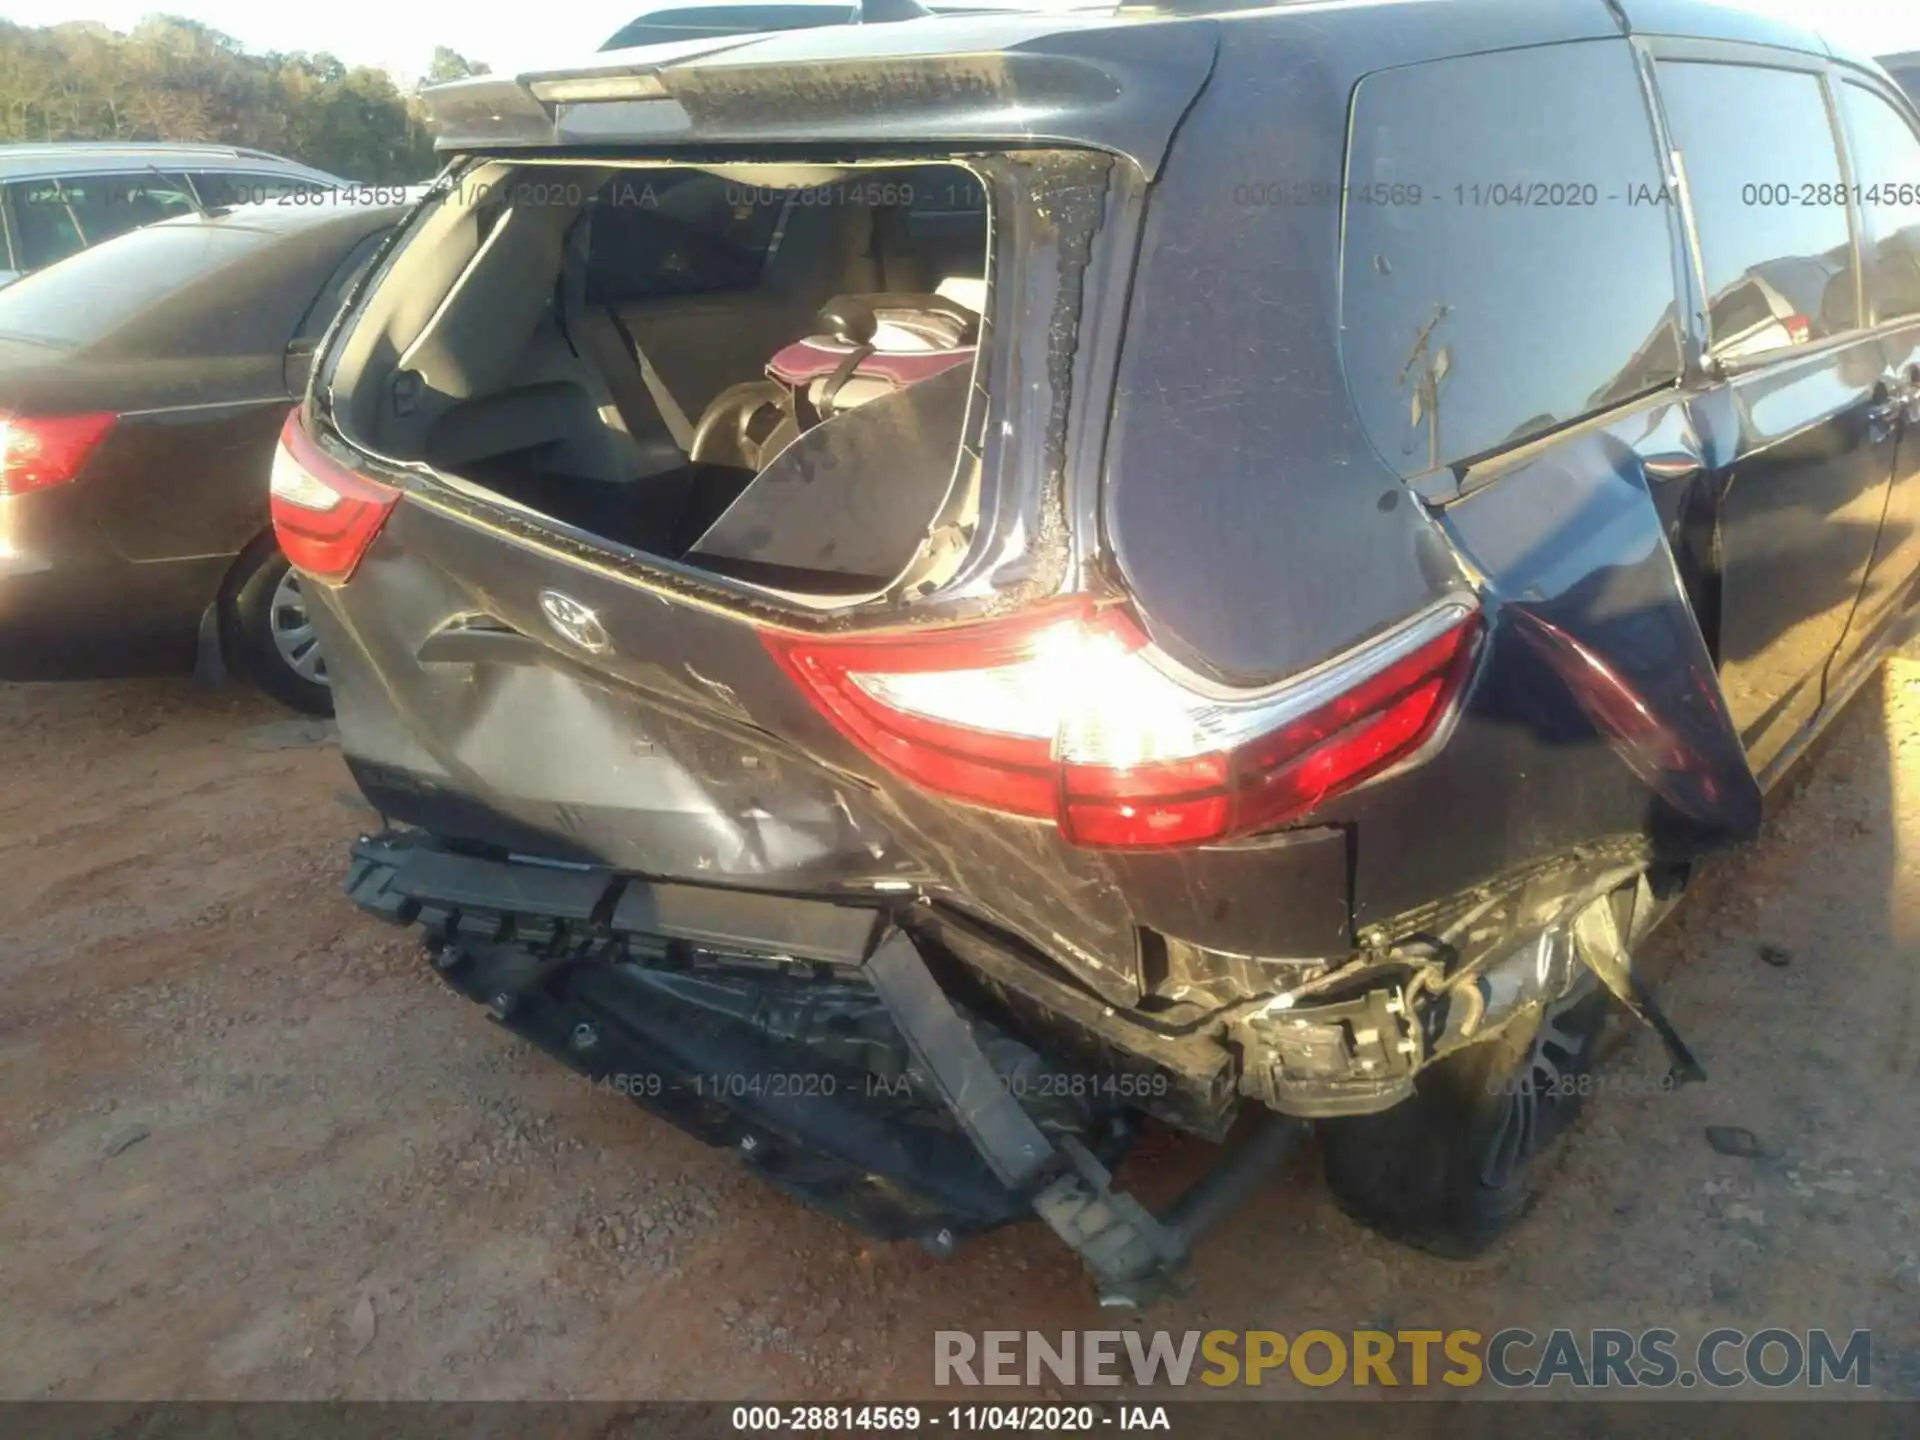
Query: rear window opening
x=763, y=371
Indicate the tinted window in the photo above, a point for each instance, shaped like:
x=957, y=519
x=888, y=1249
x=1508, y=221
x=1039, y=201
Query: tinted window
x=1508, y=262
x=46, y=223
x=99, y=290
x=335, y=290
x=682, y=234
x=55, y=218
x=1886, y=167
x=1764, y=175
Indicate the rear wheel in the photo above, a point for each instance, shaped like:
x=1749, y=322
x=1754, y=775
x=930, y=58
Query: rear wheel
x=1455, y=1167
x=273, y=639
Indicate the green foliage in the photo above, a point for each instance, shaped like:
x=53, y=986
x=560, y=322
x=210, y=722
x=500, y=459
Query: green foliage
x=176, y=79
x=452, y=65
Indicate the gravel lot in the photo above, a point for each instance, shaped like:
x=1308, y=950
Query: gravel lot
x=249, y=1147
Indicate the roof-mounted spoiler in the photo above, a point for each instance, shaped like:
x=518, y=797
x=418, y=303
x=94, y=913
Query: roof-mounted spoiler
x=1012, y=78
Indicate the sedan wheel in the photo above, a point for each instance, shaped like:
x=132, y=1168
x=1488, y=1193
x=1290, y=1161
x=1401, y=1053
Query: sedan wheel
x=270, y=632
x=292, y=631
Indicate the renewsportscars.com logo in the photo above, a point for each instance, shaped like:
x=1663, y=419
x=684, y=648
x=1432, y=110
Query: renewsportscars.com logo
x=1512, y=1359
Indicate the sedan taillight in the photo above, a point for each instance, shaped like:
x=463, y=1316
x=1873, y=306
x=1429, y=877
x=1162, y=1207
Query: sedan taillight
x=40, y=451
x=324, y=515
x=1071, y=715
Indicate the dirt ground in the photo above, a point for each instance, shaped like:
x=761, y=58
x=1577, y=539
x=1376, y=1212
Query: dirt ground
x=250, y=1147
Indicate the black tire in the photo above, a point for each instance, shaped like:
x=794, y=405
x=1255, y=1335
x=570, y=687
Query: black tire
x=250, y=622
x=1460, y=1163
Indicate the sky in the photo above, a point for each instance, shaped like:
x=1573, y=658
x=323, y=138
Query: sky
x=396, y=35
x=399, y=35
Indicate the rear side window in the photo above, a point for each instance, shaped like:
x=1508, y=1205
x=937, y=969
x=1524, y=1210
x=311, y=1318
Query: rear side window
x=1508, y=262
x=1886, y=168
x=58, y=217
x=97, y=291
x=1769, y=205
x=46, y=222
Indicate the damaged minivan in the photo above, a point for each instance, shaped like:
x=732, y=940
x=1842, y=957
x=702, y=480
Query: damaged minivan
x=921, y=596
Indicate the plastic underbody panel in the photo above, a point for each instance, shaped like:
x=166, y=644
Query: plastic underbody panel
x=752, y=1022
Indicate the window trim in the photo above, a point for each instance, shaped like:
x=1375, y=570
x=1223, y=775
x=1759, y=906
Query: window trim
x=7, y=229
x=1750, y=56
x=1907, y=111
x=1690, y=297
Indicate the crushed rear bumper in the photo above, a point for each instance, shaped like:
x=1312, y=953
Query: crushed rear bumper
x=811, y=1039
x=585, y=965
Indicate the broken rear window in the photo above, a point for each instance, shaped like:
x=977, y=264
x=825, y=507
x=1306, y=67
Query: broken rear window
x=762, y=370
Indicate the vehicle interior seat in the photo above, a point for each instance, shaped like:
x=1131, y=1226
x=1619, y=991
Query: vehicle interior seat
x=871, y=345
x=658, y=316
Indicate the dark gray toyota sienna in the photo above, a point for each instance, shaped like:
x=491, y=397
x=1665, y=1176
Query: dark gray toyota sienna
x=915, y=596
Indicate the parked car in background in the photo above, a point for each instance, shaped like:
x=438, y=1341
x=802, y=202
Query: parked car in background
x=56, y=200
x=142, y=384
x=1238, y=597
x=1905, y=69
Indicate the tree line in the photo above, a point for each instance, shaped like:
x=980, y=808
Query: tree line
x=176, y=79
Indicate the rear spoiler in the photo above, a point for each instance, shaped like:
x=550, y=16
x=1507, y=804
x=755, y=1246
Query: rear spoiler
x=1018, y=79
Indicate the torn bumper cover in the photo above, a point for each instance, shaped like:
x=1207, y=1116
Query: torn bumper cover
x=811, y=1039
x=641, y=986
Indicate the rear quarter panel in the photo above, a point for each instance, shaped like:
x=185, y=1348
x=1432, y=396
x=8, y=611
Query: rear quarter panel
x=1262, y=534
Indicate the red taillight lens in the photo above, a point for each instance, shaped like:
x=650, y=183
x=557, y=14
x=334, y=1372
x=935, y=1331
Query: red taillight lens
x=1799, y=329
x=324, y=515
x=1070, y=715
x=44, y=450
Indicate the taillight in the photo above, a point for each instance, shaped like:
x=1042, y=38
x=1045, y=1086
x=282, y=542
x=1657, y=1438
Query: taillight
x=1071, y=715
x=39, y=451
x=324, y=515
x=1799, y=329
